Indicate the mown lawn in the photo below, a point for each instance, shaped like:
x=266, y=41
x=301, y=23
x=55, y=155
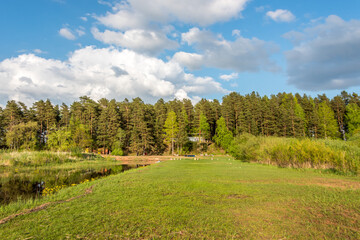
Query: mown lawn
x=204, y=199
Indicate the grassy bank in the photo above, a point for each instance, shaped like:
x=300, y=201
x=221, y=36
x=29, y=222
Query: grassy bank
x=205, y=199
x=21, y=171
x=335, y=155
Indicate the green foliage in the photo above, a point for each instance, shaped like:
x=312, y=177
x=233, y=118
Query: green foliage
x=244, y=147
x=355, y=138
x=138, y=128
x=171, y=128
x=23, y=136
x=76, y=151
x=223, y=136
x=203, y=128
x=328, y=124
x=117, y=152
x=60, y=139
x=298, y=153
x=80, y=134
x=119, y=140
x=353, y=117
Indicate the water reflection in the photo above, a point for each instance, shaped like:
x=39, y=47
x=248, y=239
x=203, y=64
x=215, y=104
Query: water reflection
x=33, y=183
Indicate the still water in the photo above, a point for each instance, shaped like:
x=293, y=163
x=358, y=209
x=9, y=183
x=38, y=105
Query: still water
x=38, y=182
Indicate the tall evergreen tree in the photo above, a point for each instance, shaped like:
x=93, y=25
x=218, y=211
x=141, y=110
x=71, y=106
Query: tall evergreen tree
x=223, y=136
x=23, y=136
x=183, y=132
x=64, y=116
x=12, y=114
x=328, y=125
x=353, y=117
x=108, y=124
x=171, y=129
x=2, y=129
x=189, y=108
x=339, y=106
x=203, y=128
x=91, y=113
x=160, y=118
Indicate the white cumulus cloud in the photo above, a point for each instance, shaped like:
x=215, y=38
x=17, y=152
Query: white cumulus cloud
x=325, y=56
x=67, y=33
x=144, y=41
x=241, y=55
x=281, y=15
x=139, y=13
x=104, y=72
x=228, y=77
x=191, y=60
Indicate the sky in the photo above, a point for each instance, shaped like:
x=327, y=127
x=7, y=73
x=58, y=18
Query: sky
x=63, y=49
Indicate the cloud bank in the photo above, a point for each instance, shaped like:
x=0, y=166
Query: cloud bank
x=325, y=56
x=241, y=55
x=143, y=41
x=98, y=73
x=139, y=14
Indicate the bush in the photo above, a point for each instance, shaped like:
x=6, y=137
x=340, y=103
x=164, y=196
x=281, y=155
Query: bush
x=76, y=152
x=244, y=147
x=117, y=152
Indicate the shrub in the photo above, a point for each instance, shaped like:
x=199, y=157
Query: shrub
x=117, y=152
x=76, y=152
x=244, y=147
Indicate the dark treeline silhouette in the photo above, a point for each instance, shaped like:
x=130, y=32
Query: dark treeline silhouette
x=140, y=128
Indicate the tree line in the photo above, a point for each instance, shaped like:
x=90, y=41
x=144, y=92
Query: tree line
x=134, y=127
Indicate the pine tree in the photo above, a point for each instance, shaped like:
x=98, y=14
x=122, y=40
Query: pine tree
x=189, y=112
x=50, y=118
x=276, y=124
x=23, y=136
x=228, y=111
x=64, y=116
x=160, y=118
x=2, y=129
x=108, y=124
x=353, y=117
x=147, y=130
x=338, y=105
x=12, y=114
x=203, y=128
x=142, y=127
x=91, y=113
x=328, y=125
x=80, y=134
x=119, y=140
x=183, y=129
x=171, y=129
x=293, y=116
x=223, y=136
x=125, y=114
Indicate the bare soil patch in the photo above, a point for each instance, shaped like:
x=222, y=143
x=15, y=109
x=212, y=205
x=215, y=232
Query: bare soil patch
x=142, y=159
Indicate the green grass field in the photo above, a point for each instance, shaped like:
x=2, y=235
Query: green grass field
x=204, y=199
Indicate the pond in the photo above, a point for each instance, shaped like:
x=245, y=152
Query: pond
x=36, y=182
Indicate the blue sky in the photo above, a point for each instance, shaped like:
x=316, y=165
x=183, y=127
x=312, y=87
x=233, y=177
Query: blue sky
x=63, y=49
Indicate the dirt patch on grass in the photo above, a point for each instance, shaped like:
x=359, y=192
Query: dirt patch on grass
x=334, y=183
x=238, y=196
x=142, y=159
x=323, y=182
x=44, y=206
